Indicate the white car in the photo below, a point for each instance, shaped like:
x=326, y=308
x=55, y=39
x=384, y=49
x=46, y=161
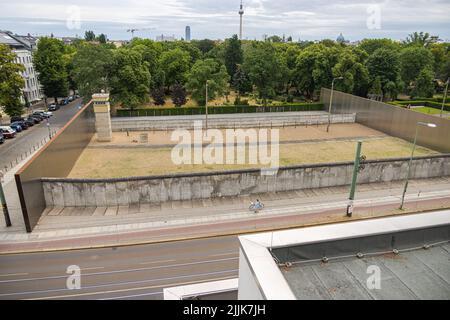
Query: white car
x=48, y=113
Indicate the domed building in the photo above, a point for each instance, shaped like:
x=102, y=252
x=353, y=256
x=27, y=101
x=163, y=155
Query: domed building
x=340, y=39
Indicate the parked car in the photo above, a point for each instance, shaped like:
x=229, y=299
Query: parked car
x=48, y=113
x=8, y=132
x=16, y=127
x=16, y=118
x=23, y=124
x=29, y=122
x=71, y=98
x=42, y=114
x=53, y=107
x=2, y=138
x=64, y=102
x=35, y=119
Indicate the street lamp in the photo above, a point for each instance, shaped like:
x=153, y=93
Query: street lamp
x=445, y=97
x=331, y=102
x=423, y=124
x=206, y=105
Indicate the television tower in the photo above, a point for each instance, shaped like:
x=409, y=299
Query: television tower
x=241, y=14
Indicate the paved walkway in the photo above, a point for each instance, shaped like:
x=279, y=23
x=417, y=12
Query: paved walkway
x=92, y=227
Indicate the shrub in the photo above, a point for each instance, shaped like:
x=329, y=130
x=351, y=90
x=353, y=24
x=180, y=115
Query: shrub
x=154, y=112
x=158, y=96
x=179, y=95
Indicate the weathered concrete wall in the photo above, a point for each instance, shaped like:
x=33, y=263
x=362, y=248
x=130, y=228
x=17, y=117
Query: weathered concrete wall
x=253, y=120
x=116, y=192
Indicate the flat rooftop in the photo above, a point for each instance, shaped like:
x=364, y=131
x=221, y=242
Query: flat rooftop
x=405, y=257
x=410, y=275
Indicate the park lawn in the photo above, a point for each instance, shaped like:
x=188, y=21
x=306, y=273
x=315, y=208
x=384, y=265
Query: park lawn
x=126, y=162
x=432, y=111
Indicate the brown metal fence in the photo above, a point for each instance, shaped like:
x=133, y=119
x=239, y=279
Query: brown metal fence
x=55, y=159
x=395, y=121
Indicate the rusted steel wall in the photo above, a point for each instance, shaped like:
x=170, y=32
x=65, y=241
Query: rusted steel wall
x=395, y=121
x=56, y=160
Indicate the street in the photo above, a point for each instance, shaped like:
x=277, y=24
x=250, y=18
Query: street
x=119, y=273
x=13, y=149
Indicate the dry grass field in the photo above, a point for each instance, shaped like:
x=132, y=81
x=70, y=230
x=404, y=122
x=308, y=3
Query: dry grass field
x=124, y=158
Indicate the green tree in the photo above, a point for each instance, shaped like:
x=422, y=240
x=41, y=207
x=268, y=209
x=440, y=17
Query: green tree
x=372, y=45
x=50, y=64
x=129, y=78
x=159, y=97
x=233, y=54
x=274, y=39
x=376, y=87
x=179, y=96
x=421, y=39
x=384, y=64
x=175, y=65
x=424, y=85
x=102, y=38
x=205, y=45
x=89, y=35
x=350, y=66
x=241, y=81
x=314, y=69
x=260, y=63
x=11, y=83
x=91, y=66
x=413, y=60
x=211, y=71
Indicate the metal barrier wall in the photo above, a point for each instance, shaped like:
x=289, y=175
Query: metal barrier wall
x=395, y=121
x=55, y=159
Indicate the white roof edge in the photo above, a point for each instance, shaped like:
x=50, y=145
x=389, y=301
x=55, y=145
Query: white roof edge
x=346, y=230
x=200, y=289
x=268, y=276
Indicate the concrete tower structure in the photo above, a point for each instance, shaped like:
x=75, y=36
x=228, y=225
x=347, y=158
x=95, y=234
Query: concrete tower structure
x=102, y=116
x=241, y=14
x=188, y=34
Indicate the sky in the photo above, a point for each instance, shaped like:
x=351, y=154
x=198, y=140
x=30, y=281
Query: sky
x=214, y=19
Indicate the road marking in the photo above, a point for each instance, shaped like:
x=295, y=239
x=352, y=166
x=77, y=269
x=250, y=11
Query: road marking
x=125, y=290
x=134, y=296
x=122, y=271
x=92, y=268
x=13, y=274
x=223, y=254
x=155, y=262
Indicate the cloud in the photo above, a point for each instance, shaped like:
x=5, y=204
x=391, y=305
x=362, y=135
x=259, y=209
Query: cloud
x=214, y=19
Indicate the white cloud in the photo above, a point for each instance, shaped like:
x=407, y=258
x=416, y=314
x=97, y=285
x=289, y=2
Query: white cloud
x=219, y=19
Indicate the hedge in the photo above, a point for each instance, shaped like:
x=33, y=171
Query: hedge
x=183, y=111
x=425, y=103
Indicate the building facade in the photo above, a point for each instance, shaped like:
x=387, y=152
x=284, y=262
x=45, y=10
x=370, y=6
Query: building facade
x=188, y=33
x=24, y=51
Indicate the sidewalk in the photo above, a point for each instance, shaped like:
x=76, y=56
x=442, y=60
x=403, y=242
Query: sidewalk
x=71, y=228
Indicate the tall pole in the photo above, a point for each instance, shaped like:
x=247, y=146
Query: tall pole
x=351, y=198
x=331, y=102
x=3, y=203
x=445, y=98
x=409, y=168
x=206, y=105
x=241, y=14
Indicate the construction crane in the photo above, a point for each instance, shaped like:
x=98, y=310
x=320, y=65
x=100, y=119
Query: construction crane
x=134, y=30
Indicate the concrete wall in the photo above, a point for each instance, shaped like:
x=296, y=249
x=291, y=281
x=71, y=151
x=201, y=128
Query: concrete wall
x=230, y=121
x=115, y=192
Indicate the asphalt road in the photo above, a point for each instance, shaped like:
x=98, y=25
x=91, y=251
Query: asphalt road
x=134, y=272
x=13, y=149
